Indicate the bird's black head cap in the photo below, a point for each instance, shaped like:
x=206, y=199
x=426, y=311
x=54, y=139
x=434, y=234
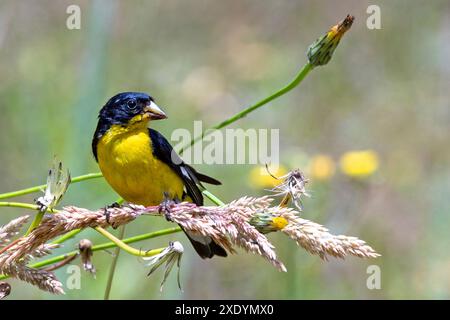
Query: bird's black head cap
x=122, y=108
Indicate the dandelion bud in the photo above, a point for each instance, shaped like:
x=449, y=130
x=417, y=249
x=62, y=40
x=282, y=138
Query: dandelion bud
x=266, y=222
x=321, y=51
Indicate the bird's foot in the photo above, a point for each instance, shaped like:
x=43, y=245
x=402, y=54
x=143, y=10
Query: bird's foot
x=108, y=215
x=166, y=206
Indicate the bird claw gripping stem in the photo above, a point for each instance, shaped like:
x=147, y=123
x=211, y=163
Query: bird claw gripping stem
x=166, y=206
x=108, y=214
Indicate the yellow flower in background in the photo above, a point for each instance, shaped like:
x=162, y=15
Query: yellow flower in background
x=261, y=178
x=321, y=167
x=359, y=164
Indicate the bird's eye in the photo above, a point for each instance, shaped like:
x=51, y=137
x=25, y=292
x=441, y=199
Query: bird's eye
x=132, y=104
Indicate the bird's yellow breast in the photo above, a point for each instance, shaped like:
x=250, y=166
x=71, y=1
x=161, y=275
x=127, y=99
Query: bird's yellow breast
x=127, y=162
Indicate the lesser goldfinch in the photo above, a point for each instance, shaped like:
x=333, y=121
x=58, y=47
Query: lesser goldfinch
x=141, y=165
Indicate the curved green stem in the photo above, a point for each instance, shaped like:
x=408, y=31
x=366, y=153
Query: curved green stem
x=122, y=245
x=42, y=187
x=294, y=83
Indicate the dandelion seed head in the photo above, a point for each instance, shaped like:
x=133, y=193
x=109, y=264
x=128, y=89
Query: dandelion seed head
x=292, y=187
x=168, y=257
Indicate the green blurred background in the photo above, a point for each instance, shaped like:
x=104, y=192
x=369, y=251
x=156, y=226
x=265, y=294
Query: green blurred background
x=384, y=90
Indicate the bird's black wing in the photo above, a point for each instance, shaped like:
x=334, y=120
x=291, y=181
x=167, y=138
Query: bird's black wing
x=191, y=178
x=204, y=245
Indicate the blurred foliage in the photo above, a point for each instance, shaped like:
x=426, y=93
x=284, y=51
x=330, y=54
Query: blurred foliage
x=384, y=90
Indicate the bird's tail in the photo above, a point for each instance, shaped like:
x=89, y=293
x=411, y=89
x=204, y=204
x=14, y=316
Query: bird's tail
x=205, y=246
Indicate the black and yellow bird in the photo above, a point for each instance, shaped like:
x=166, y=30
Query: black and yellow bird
x=141, y=165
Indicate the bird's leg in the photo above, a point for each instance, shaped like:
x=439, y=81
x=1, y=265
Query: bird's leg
x=108, y=215
x=166, y=204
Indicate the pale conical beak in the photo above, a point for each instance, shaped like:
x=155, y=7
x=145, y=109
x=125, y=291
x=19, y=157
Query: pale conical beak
x=154, y=112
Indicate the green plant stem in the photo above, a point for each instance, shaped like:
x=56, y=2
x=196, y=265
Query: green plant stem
x=213, y=198
x=36, y=221
x=112, y=268
x=294, y=83
x=122, y=245
x=42, y=187
x=67, y=236
x=19, y=205
x=105, y=246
